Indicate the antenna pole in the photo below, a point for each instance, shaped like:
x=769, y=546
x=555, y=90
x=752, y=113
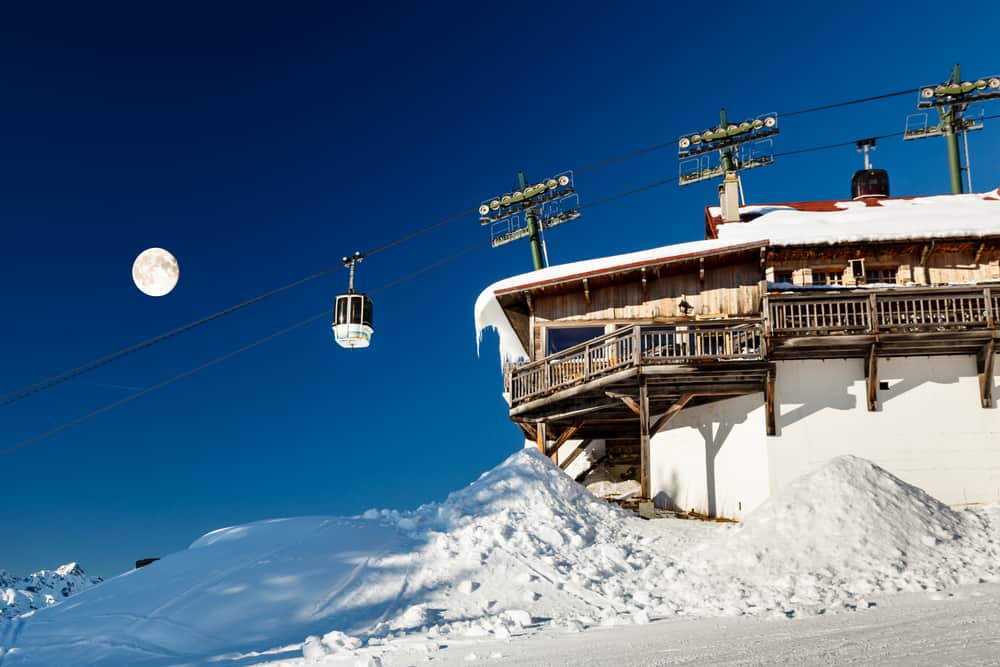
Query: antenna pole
x=531, y=218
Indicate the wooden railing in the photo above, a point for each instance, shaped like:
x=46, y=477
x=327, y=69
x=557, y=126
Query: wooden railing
x=939, y=309
x=788, y=315
x=632, y=346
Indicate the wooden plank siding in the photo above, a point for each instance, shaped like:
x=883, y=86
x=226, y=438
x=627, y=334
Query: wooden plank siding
x=729, y=291
x=917, y=263
x=733, y=286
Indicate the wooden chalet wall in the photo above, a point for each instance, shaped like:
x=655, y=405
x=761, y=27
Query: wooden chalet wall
x=732, y=290
x=915, y=263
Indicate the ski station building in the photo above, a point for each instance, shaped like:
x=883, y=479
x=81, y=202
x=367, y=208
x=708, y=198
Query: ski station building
x=710, y=374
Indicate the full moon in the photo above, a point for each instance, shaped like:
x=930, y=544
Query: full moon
x=155, y=272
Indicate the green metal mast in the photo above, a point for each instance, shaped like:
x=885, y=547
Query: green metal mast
x=950, y=126
x=726, y=155
x=533, y=230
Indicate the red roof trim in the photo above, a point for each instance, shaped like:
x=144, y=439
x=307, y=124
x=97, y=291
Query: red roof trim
x=633, y=265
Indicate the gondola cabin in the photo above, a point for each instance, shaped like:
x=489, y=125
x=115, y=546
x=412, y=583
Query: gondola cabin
x=352, y=323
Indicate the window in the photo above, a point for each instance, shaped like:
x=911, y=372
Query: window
x=783, y=277
x=562, y=338
x=353, y=309
x=828, y=277
x=858, y=270
x=881, y=276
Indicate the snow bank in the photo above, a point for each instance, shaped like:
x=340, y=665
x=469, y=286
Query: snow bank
x=849, y=529
x=520, y=548
x=19, y=595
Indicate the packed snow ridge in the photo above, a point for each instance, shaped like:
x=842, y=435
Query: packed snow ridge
x=19, y=595
x=521, y=548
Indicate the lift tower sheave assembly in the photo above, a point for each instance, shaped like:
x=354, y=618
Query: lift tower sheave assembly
x=725, y=151
x=530, y=210
x=952, y=99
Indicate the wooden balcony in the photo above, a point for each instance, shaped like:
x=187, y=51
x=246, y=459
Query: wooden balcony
x=633, y=347
x=638, y=378
x=805, y=325
x=900, y=322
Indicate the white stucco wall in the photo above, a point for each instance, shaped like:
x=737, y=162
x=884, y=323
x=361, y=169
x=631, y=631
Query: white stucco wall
x=929, y=430
x=712, y=458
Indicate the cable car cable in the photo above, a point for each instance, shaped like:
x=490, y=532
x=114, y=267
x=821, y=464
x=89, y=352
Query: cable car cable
x=668, y=144
x=862, y=100
x=161, y=385
x=229, y=355
x=53, y=380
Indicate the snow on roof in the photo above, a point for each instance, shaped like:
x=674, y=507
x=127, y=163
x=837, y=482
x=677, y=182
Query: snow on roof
x=944, y=216
x=489, y=313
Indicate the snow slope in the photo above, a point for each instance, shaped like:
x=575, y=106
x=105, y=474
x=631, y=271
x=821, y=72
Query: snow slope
x=19, y=595
x=521, y=548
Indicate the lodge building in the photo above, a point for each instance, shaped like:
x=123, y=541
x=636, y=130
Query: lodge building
x=714, y=372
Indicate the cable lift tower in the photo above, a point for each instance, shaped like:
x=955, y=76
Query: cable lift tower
x=727, y=150
x=951, y=99
x=530, y=210
x=352, y=313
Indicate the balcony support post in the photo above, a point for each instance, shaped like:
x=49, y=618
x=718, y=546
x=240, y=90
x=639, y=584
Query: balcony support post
x=637, y=345
x=988, y=305
x=644, y=437
x=772, y=428
x=871, y=377
x=984, y=365
x=541, y=437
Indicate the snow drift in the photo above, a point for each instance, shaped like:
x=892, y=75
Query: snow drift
x=520, y=547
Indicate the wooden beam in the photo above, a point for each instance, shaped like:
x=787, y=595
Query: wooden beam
x=984, y=364
x=528, y=429
x=770, y=415
x=559, y=416
x=871, y=377
x=644, y=458
x=575, y=453
x=630, y=402
x=671, y=412
x=925, y=258
x=566, y=435
x=541, y=437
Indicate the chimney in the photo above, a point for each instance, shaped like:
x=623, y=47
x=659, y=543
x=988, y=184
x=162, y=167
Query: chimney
x=729, y=198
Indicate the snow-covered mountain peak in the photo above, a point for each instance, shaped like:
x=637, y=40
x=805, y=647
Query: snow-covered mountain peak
x=19, y=595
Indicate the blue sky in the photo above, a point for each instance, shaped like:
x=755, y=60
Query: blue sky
x=261, y=143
